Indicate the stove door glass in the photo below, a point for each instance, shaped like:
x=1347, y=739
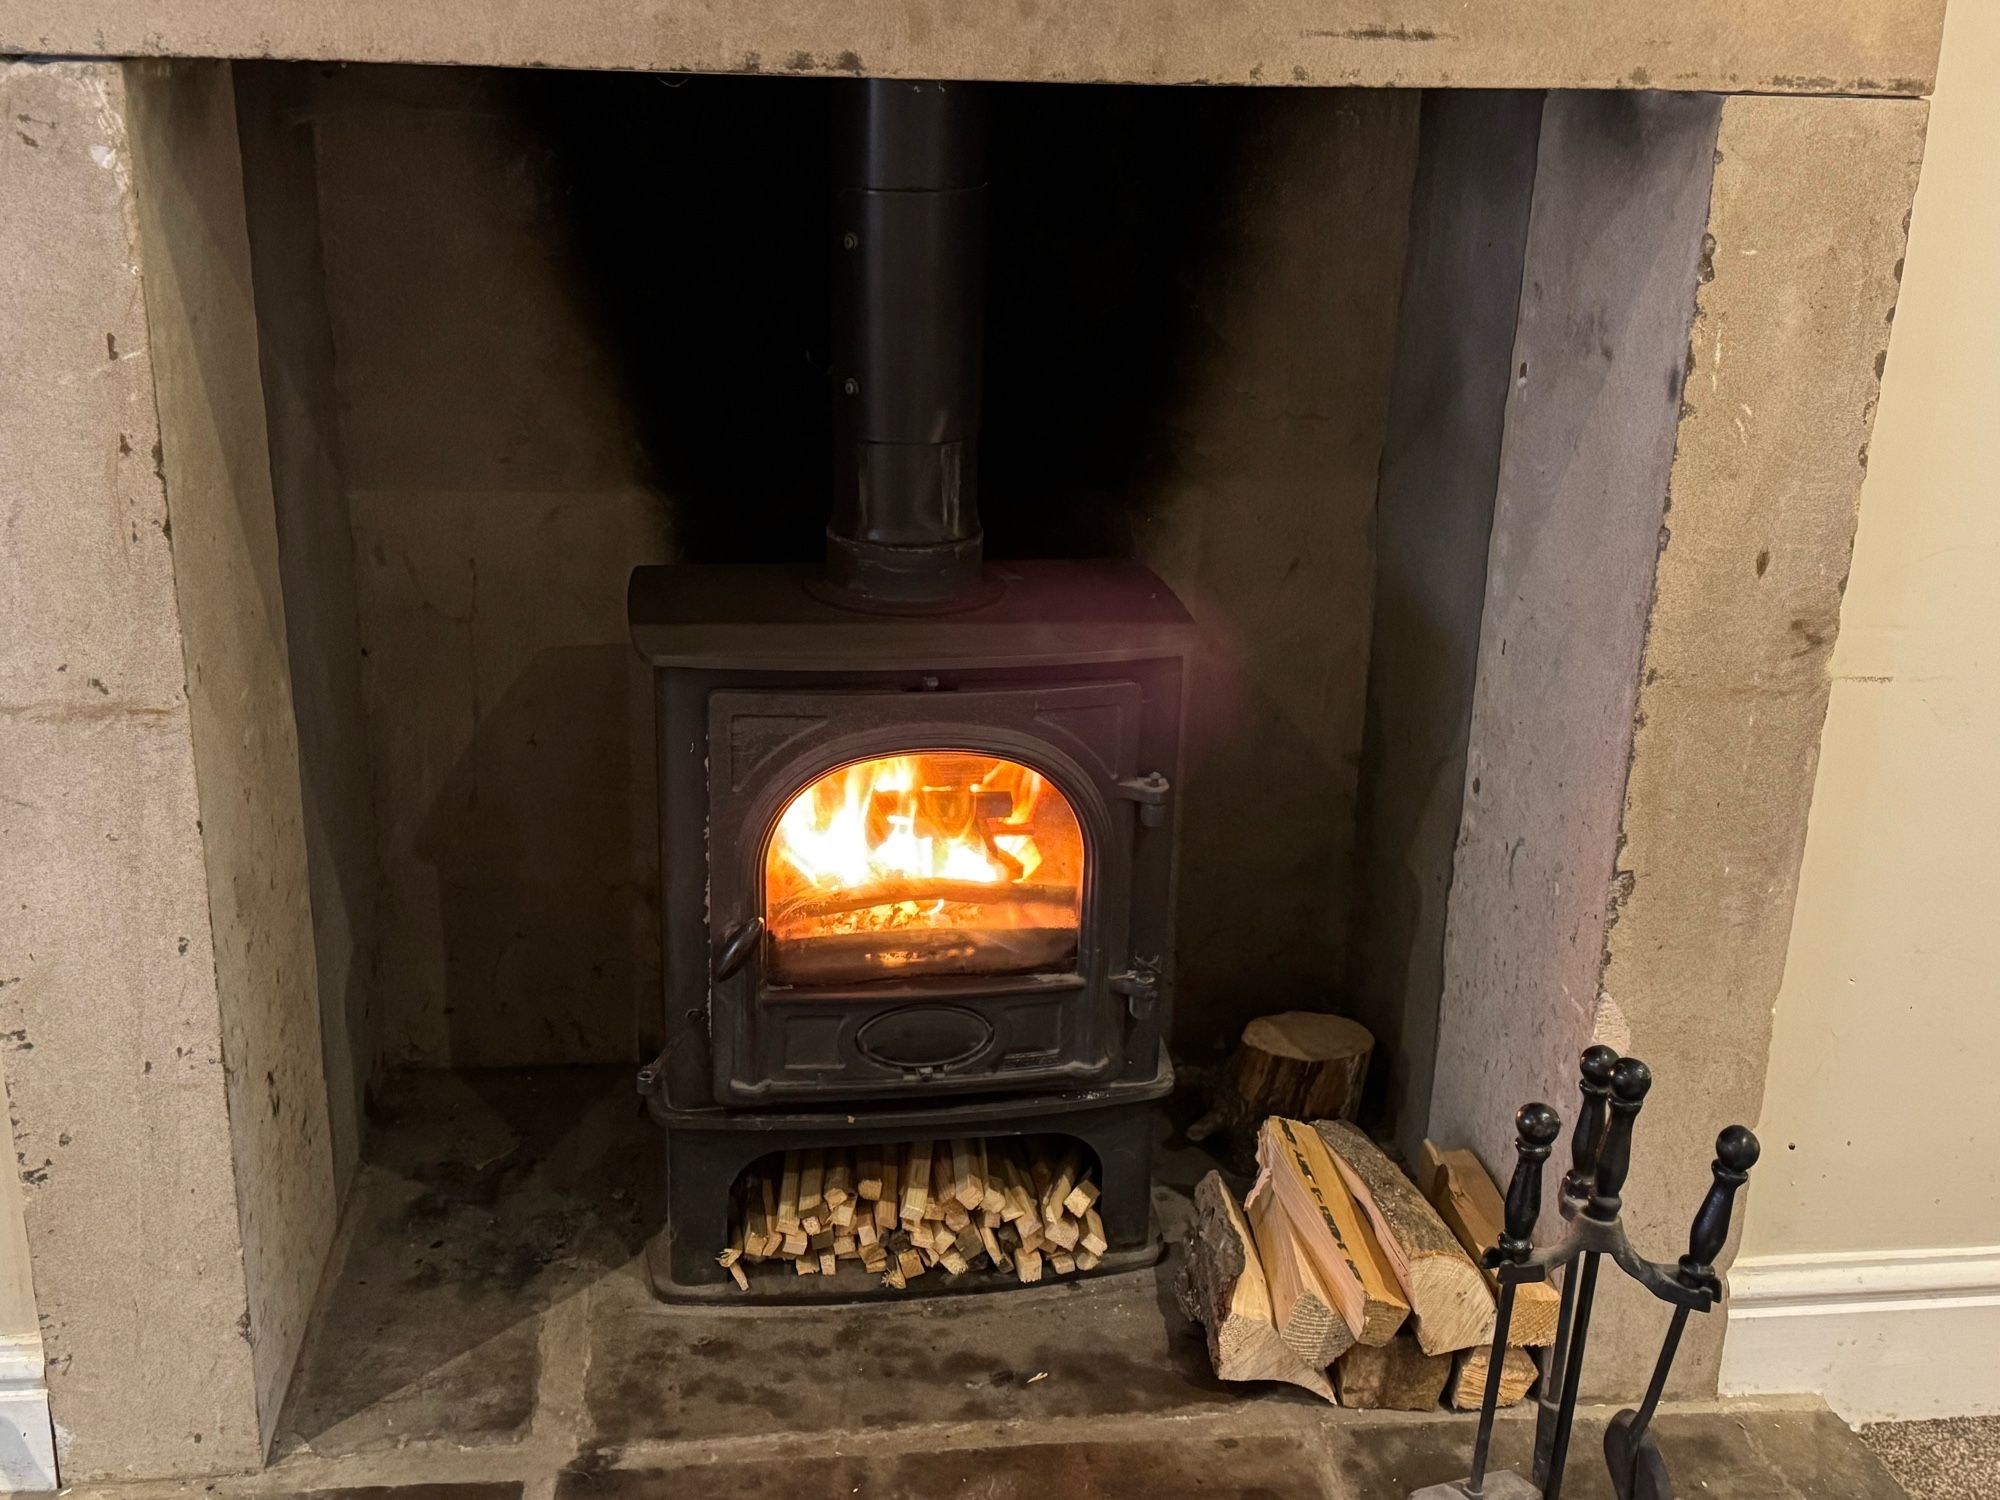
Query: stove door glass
x=931, y=863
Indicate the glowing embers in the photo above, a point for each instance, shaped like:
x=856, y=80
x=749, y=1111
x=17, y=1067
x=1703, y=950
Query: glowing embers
x=938, y=862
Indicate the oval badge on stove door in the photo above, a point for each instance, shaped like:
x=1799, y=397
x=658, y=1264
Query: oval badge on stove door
x=924, y=1036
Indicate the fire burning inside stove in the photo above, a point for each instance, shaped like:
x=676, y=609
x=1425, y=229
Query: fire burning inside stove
x=939, y=863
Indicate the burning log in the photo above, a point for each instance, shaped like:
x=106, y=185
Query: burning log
x=1299, y=1064
x=917, y=892
x=953, y=1206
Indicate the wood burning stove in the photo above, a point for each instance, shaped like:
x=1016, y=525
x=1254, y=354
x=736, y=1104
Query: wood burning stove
x=917, y=871
x=917, y=810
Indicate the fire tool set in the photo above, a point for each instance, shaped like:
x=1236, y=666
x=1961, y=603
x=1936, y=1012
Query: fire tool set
x=1601, y=1152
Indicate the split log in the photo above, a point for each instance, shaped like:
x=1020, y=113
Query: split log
x=812, y=1199
x=968, y=1175
x=1298, y=1169
x=1396, y=1376
x=916, y=1182
x=888, y=1201
x=1301, y=1306
x=839, y=1179
x=1299, y=1063
x=1468, y=1377
x=1470, y=1205
x=1450, y=1306
x=1222, y=1287
x=788, y=1196
x=1094, y=1241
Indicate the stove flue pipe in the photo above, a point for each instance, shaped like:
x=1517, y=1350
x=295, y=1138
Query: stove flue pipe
x=908, y=346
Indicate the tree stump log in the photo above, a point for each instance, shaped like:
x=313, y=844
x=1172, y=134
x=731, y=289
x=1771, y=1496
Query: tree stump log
x=1300, y=1064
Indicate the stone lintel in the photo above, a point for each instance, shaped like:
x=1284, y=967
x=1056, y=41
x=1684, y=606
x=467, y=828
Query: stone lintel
x=1787, y=46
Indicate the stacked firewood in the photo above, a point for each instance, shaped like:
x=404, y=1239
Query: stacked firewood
x=1024, y=1206
x=1342, y=1268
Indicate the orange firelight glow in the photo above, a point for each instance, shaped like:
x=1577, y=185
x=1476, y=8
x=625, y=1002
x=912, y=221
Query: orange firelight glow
x=939, y=861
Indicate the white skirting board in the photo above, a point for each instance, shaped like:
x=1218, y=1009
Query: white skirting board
x=1882, y=1335
x=27, y=1440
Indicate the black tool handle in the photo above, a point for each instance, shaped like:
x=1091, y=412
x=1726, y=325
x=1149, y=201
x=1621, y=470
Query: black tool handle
x=1595, y=1066
x=1629, y=1082
x=1536, y=1127
x=1736, y=1152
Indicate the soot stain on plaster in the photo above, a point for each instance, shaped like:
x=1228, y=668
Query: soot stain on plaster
x=1764, y=557
x=110, y=346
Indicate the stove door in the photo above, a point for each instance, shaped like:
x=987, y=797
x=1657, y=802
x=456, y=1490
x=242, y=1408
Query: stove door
x=919, y=890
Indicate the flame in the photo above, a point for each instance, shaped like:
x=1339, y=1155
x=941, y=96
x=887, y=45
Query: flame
x=909, y=843
x=904, y=817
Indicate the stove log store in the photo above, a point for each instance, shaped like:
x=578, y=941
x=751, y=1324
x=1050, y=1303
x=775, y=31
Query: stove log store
x=917, y=810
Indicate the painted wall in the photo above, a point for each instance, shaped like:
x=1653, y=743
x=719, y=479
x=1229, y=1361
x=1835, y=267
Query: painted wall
x=1877, y=1124
x=1871, y=1254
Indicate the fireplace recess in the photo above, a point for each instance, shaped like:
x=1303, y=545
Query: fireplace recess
x=917, y=809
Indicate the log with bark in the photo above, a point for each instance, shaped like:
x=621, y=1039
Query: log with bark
x=1299, y=1063
x=1222, y=1287
x=1450, y=1305
x=1396, y=1376
x=1466, y=1199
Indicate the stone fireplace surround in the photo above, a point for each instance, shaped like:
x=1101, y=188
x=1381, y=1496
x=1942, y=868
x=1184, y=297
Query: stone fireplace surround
x=1636, y=355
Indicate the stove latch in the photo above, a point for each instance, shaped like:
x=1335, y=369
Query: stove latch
x=1140, y=985
x=1150, y=792
x=737, y=947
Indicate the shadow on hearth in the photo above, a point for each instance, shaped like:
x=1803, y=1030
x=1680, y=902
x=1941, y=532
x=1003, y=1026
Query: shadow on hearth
x=489, y=1199
x=486, y=1199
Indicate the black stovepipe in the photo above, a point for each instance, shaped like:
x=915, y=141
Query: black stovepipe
x=908, y=344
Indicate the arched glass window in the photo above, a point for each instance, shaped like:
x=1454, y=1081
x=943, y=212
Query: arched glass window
x=929, y=863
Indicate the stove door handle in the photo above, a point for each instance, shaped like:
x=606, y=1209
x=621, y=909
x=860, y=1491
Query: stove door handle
x=737, y=947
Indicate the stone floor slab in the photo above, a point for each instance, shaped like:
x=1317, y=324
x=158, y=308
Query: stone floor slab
x=1759, y=1454
x=487, y=1198
x=1224, y=1468
x=1112, y=1346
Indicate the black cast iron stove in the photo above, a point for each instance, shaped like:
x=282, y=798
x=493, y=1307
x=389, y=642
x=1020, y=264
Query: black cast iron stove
x=917, y=810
